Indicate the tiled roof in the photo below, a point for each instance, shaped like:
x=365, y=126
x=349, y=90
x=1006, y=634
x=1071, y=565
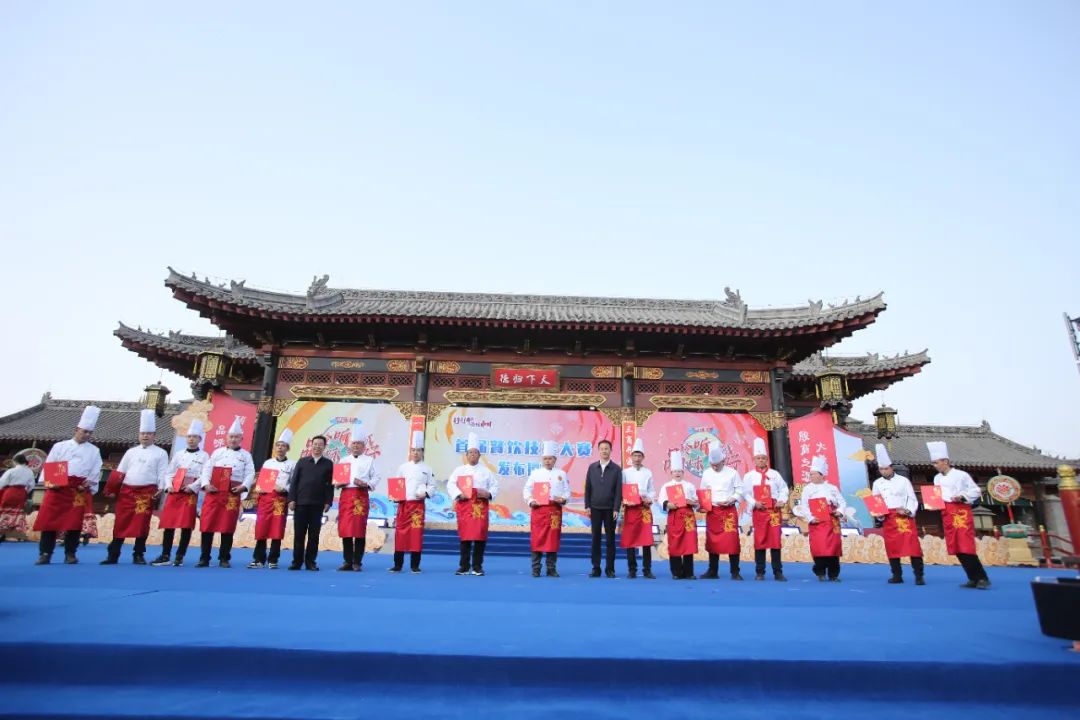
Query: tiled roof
x=853, y=366
x=186, y=345
x=322, y=300
x=54, y=420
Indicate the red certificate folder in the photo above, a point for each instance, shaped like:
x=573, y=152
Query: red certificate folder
x=464, y=483
x=112, y=485
x=178, y=479
x=396, y=488
x=763, y=495
x=56, y=474
x=705, y=498
x=542, y=493
x=267, y=481
x=676, y=496
x=876, y=505
x=221, y=478
x=932, y=498
x=820, y=508
x=630, y=494
x=342, y=474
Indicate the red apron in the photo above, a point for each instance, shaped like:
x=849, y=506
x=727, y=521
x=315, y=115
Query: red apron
x=959, y=529
x=353, y=507
x=825, y=538
x=636, y=527
x=220, y=511
x=722, y=530
x=63, y=508
x=681, y=532
x=545, y=529
x=13, y=509
x=472, y=519
x=409, y=528
x=134, y=508
x=767, y=529
x=901, y=538
x=270, y=516
x=179, y=511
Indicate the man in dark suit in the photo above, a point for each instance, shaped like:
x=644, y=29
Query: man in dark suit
x=603, y=497
x=311, y=492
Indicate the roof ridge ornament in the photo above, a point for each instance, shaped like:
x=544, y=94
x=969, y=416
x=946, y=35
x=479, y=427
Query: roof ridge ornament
x=318, y=286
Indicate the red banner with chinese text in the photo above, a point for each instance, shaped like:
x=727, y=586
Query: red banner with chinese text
x=519, y=378
x=813, y=435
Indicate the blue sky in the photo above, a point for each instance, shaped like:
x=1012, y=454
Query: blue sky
x=794, y=151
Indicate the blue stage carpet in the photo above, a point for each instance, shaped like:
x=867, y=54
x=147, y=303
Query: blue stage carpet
x=127, y=641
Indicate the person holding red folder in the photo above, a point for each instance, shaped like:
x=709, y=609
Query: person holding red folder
x=959, y=492
x=546, y=491
x=419, y=485
x=768, y=491
x=898, y=529
x=354, y=503
x=65, y=503
x=182, y=482
x=472, y=487
x=723, y=488
x=822, y=506
x=638, y=494
x=680, y=499
x=144, y=470
x=271, y=512
x=221, y=507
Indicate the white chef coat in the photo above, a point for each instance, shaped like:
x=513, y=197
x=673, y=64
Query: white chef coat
x=723, y=486
x=819, y=490
x=243, y=467
x=284, y=471
x=143, y=466
x=83, y=459
x=556, y=477
x=482, y=479
x=778, y=488
x=957, y=482
x=419, y=480
x=643, y=479
x=897, y=493
x=193, y=463
x=18, y=476
x=363, y=471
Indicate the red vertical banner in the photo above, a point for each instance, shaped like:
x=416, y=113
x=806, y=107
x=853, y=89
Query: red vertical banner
x=416, y=422
x=629, y=436
x=812, y=435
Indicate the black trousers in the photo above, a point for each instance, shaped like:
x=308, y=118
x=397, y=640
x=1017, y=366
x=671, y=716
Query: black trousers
x=714, y=563
x=682, y=566
x=352, y=549
x=117, y=543
x=399, y=559
x=916, y=566
x=552, y=558
x=759, y=561
x=47, y=543
x=259, y=555
x=827, y=566
x=307, y=524
x=646, y=559
x=167, y=541
x=224, y=547
x=972, y=566
x=603, y=521
x=472, y=551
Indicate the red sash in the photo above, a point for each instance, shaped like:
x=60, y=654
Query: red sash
x=681, y=532
x=353, y=507
x=179, y=511
x=134, y=508
x=901, y=536
x=722, y=530
x=409, y=528
x=636, y=527
x=545, y=529
x=63, y=508
x=270, y=516
x=959, y=528
x=220, y=511
x=825, y=538
x=13, y=497
x=767, y=529
x=472, y=519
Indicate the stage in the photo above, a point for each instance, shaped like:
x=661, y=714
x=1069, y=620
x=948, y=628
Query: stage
x=134, y=641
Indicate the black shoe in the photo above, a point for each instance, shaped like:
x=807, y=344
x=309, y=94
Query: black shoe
x=345, y=567
x=552, y=572
x=255, y=565
x=896, y=580
x=179, y=561
x=138, y=560
x=595, y=572
x=394, y=569
x=536, y=573
x=224, y=563
x=272, y=566
x=632, y=574
x=479, y=572
x=609, y=573
x=109, y=561
x=43, y=559
x=821, y=578
x=312, y=567
x=648, y=575
x=161, y=560
x=294, y=566
x=779, y=577
x=690, y=577
x=919, y=580
x=202, y=563
x=414, y=571
x=836, y=579
x=983, y=584
x=736, y=576
x=969, y=584
x=357, y=567
x=759, y=576
x=71, y=560
x=710, y=575
x=462, y=571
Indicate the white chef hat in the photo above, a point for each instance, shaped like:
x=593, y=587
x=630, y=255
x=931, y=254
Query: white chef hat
x=716, y=452
x=938, y=450
x=883, y=459
x=358, y=434
x=639, y=446
x=89, y=418
x=285, y=437
x=676, y=460
x=417, y=442
x=759, y=447
x=551, y=449
x=820, y=465
x=196, y=428
x=237, y=427
x=474, y=442
x=147, y=421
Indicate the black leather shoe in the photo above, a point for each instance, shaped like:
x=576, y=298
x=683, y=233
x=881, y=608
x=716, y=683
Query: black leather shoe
x=821, y=578
x=161, y=560
x=920, y=581
x=312, y=567
x=71, y=560
x=648, y=575
x=632, y=574
x=896, y=580
x=345, y=567
x=983, y=584
x=43, y=559
x=179, y=561
x=224, y=563
x=778, y=577
x=595, y=572
x=609, y=573
x=759, y=576
x=710, y=575
x=138, y=560
x=736, y=576
x=294, y=566
x=109, y=561
x=202, y=563
x=969, y=584
x=393, y=569
x=357, y=567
